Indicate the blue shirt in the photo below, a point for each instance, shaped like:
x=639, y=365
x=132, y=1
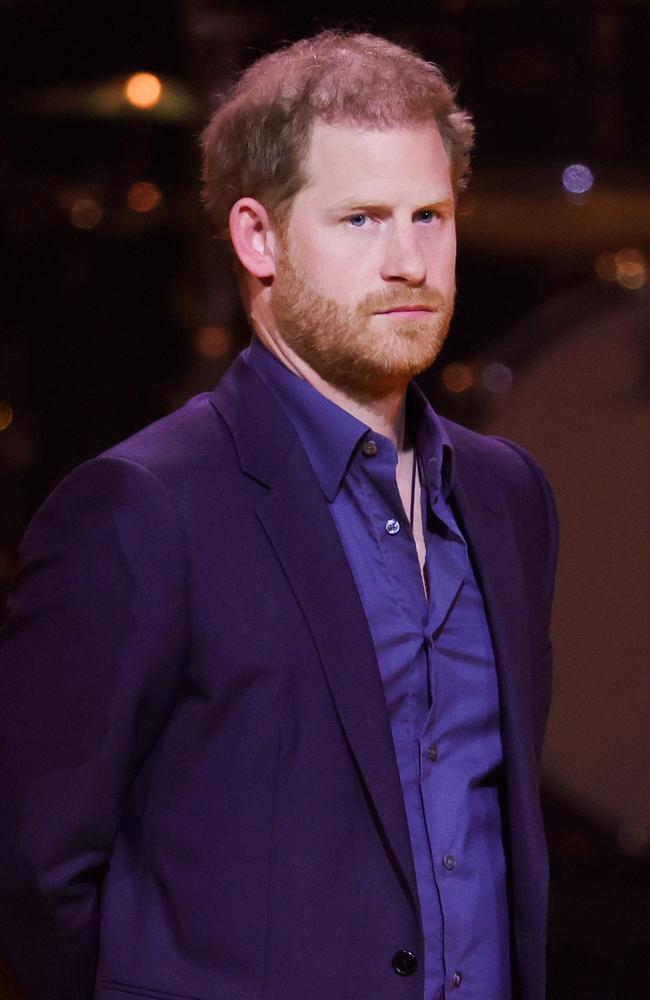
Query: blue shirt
x=437, y=667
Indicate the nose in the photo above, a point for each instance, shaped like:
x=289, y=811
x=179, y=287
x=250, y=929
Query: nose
x=403, y=259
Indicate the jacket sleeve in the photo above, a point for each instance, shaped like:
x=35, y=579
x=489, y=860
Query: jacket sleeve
x=90, y=662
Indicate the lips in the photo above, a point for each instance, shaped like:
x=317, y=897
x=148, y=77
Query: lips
x=404, y=309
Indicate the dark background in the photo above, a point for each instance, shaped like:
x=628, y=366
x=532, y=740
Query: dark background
x=112, y=315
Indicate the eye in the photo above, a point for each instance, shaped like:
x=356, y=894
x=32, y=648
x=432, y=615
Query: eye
x=357, y=220
x=426, y=215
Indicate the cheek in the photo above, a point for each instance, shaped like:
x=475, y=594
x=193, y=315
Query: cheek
x=441, y=260
x=330, y=270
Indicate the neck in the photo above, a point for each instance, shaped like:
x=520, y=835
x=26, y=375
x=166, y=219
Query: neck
x=384, y=412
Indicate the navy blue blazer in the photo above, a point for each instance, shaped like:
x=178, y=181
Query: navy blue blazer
x=200, y=798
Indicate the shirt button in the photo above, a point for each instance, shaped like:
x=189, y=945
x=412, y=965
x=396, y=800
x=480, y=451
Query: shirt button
x=449, y=861
x=369, y=448
x=432, y=753
x=392, y=526
x=457, y=979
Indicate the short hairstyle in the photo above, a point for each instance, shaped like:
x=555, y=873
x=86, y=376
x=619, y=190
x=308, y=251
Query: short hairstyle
x=257, y=141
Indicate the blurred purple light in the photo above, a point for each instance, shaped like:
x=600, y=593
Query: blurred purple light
x=577, y=179
x=497, y=377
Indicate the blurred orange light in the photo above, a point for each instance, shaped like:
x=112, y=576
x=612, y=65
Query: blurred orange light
x=6, y=415
x=213, y=342
x=143, y=196
x=457, y=377
x=605, y=265
x=143, y=90
x=631, y=270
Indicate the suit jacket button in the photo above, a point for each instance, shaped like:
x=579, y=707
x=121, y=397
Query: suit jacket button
x=404, y=962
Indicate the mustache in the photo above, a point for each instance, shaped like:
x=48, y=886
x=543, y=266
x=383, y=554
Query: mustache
x=426, y=298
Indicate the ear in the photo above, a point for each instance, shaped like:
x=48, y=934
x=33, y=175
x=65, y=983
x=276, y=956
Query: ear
x=253, y=237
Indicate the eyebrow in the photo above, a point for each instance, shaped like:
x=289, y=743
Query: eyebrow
x=361, y=205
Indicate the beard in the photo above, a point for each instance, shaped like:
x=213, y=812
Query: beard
x=364, y=355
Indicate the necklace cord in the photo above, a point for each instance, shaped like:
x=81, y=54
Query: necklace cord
x=413, y=488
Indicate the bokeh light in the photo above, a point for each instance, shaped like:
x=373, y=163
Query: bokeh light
x=497, y=377
x=628, y=267
x=6, y=415
x=84, y=212
x=213, y=342
x=457, y=377
x=577, y=179
x=143, y=196
x=631, y=270
x=605, y=266
x=143, y=90
x=17, y=450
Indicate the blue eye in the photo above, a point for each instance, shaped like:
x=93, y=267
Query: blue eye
x=426, y=215
x=358, y=220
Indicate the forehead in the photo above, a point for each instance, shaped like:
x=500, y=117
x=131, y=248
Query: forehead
x=349, y=160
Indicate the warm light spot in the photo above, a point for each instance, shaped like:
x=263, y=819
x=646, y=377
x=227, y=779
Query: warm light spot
x=143, y=196
x=457, y=377
x=143, y=90
x=631, y=270
x=605, y=265
x=496, y=377
x=18, y=452
x=85, y=212
x=213, y=342
x=6, y=415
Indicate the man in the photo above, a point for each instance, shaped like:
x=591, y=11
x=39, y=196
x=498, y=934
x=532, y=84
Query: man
x=276, y=671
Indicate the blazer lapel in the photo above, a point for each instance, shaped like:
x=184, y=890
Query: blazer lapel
x=497, y=561
x=300, y=528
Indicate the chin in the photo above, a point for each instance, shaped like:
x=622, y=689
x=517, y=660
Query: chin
x=381, y=374
x=411, y=351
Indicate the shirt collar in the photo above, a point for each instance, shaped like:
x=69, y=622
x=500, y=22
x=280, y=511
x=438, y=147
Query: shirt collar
x=433, y=444
x=331, y=435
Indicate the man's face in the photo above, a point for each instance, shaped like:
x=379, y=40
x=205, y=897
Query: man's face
x=364, y=284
